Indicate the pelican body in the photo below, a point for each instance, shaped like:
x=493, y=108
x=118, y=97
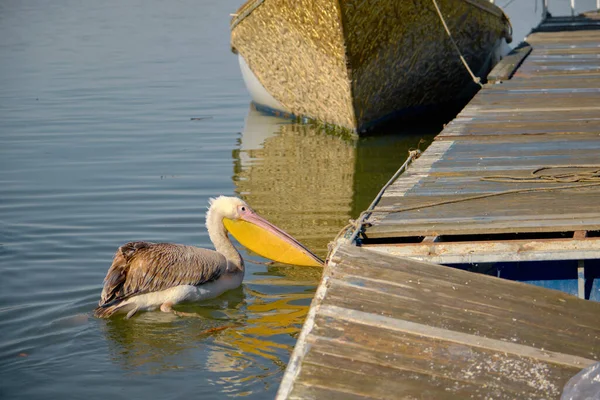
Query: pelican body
x=146, y=276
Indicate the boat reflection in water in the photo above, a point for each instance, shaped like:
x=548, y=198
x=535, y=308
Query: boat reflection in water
x=311, y=183
x=308, y=183
x=301, y=178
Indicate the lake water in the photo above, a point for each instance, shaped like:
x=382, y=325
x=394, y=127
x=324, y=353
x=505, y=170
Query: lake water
x=97, y=148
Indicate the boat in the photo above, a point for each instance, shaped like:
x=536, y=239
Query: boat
x=356, y=64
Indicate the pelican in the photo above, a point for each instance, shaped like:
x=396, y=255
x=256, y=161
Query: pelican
x=146, y=276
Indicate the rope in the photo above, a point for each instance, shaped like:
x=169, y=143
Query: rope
x=476, y=79
x=592, y=176
x=484, y=196
x=569, y=177
x=359, y=223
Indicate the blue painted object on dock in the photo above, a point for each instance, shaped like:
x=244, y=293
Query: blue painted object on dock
x=558, y=275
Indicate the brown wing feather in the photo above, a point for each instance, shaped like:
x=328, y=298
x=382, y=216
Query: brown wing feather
x=144, y=267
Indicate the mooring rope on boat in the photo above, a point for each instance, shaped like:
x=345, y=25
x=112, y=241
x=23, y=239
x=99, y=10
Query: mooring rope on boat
x=476, y=79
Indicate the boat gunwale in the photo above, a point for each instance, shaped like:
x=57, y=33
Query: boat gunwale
x=242, y=12
x=249, y=6
x=485, y=6
x=495, y=10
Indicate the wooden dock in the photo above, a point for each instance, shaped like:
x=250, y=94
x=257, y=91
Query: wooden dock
x=387, y=328
x=514, y=178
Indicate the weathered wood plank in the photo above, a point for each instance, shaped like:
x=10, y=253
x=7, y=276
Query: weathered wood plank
x=514, y=213
x=379, y=382
x=304, y=391
x=464, y=302
x=549, y=83
x=410, y=345
x=387, y=327
x=485, y=251
x=562, y=25
x=537, y=101
x=438, y=359
x=475, y=228
x=461, y=185
x=473, y=114
x=566, y=49
x=566, y=39
x=556, y=127
x=509, y=64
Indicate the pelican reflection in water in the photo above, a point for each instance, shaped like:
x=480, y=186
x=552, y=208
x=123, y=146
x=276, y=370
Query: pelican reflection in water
x=147, y=276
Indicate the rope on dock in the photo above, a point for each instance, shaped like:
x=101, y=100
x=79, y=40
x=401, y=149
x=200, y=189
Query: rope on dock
x=476, y=79
x=592, y=176
x=358, y=224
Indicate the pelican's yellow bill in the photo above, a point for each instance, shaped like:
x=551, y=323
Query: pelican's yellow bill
x=273, y=244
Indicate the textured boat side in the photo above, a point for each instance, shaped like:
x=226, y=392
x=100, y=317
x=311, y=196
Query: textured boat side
x=296, y=50
x=401, y=57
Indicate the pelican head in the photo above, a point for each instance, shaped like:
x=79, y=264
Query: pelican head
x=235, y=216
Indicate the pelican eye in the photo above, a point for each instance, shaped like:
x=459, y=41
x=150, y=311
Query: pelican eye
x=243, y=208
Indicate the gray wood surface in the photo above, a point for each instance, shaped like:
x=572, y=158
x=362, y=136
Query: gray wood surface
x=492, y=251
x=509, y=64
x=386, y=327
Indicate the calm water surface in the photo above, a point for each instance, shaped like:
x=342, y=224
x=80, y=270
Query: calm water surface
x=97, y=148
